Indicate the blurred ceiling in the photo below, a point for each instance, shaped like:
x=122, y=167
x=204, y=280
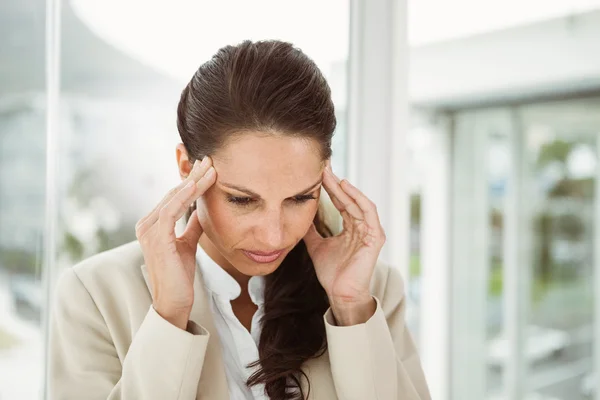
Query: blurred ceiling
x=88, y=63
x=432, y=21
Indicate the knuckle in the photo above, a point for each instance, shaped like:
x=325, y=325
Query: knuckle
x=383, y=235
x=179, y=202
x=173, y=191
x=177, y=189
x=165, y=213
x=139, y=232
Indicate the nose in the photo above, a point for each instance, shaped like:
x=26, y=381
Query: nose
x=269, y=231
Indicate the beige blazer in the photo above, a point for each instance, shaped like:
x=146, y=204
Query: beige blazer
x=107, y=342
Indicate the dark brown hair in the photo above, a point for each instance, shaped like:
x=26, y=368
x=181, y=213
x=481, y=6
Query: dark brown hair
x=271, y=87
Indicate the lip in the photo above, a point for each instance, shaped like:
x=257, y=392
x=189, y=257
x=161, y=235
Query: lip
x=263, y=257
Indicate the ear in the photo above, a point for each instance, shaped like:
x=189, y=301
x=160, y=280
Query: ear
x=183, y=161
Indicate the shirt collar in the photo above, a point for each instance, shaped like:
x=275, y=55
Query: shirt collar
x=224, y=285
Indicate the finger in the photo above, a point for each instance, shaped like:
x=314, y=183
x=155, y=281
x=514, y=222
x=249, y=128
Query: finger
x=180, y=203
x=193, y=230
x=149, y=220
x=201, y=169
x=342, y=201
x=367, y=207
x=151, y=217
x=174, y=209
x=312, y=238
x=198, y=170
x=205, y=182
x=334, y=200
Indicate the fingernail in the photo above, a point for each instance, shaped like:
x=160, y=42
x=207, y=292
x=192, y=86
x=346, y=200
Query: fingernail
x=204, y=161
x=210, y=172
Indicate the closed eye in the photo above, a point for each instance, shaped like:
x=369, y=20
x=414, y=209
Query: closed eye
x=242, y=201
x=303, y=198
x=246, y=201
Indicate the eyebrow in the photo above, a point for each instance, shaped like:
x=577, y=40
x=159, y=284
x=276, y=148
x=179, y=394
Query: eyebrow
x=251, y=193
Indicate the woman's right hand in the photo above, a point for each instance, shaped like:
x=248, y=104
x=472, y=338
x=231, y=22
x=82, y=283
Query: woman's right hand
x=171, y=260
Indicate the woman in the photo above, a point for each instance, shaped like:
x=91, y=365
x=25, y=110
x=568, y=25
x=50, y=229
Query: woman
x=279, y=307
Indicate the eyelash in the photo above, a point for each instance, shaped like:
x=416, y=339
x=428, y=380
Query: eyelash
x=246, y=201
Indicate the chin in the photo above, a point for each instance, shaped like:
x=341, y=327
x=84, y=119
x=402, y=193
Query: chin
x=250, y=268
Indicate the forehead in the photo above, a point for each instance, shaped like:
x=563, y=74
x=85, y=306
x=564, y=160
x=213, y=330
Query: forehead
x=257, y=160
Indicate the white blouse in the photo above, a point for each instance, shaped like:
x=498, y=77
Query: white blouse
x=240, y=347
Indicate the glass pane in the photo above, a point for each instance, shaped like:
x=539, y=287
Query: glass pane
x=418, y=136
x=561, y=150
x=552, y=375
x=22, y=186
x=483, y=191
x=497, y=126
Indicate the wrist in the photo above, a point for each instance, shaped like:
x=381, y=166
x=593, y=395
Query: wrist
x=349, y=312
x=179, y=317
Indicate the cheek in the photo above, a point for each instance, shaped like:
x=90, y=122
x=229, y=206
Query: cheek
x=300, y=219
x=216, y=218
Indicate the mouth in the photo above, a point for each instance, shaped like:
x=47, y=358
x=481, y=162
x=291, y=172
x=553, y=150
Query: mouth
x=263, y=257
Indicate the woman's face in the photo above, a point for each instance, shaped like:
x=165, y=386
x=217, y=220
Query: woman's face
x=264, y=200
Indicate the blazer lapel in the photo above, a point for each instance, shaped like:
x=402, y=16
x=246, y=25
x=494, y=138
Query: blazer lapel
x=213, y=381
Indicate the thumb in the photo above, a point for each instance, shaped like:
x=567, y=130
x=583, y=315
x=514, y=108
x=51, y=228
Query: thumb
x=312, y=238
x=193, y=230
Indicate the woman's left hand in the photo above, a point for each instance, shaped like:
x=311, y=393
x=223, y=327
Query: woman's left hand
x=344, y=263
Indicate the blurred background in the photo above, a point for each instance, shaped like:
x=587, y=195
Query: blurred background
x=473, y=125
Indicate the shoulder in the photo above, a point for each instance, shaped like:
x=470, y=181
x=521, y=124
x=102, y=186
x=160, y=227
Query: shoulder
x=105, y=294
x=105, y=272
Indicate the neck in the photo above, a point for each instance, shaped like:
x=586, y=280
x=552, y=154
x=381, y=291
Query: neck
x=210, y=249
